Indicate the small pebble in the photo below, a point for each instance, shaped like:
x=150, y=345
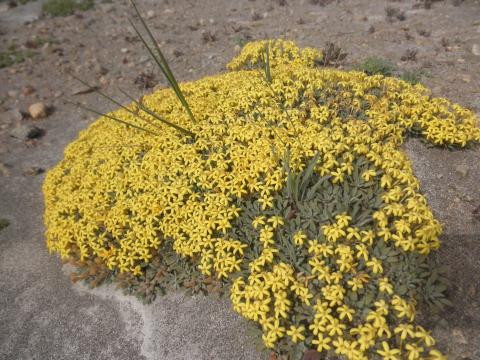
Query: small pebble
x=462, y=169
x=476, y=49
x=28, y=90
x=33, y=171
x=150, y=14
x=12, y=93
x=37, y=110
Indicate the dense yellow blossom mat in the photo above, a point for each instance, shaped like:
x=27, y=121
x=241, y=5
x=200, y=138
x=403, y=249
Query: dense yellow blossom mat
x=293, y=194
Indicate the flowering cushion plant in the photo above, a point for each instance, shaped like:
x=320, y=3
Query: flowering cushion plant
x=289, y=191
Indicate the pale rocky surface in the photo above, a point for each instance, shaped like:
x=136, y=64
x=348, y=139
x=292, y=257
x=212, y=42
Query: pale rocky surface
x=44, y=316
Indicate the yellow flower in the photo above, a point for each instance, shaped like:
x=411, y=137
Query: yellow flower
x=369, y=174
x=387, y=353
x=405, y=330
x=362, y=252
x=384, y=331
x=385, y=286
x=259, y=220
x=424, y=335
x=333, y=232
x=355, y=284
x=414, y=351
x=345, y=312
x=325, y=250
x=322, y=343
x=137, y=271
x=299, y=238
x=367, y=236
x=335, y=327
x=341, y=346
x=382, y=307
x=269, y=339
x=376, y=265
x=402, y=308
x=276, y=329
x=376, y=318
x=436, y=355
x=317, y=327
x=353, y=234
x=266, y=202
x=338, y=176
x=276, y=221
x=343, y=220
x=296, y=333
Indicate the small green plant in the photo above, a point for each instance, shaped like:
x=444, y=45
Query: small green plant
x=4, y=223
x=374, y=65
x=240, y=41
x=412, y=76
x=14, y=56
x=23, y=2
x=37, y=41
x=332, y=55
x=394, y=14
x=66, y=7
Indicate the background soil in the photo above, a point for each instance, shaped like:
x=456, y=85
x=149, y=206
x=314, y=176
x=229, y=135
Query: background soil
x=43, y=316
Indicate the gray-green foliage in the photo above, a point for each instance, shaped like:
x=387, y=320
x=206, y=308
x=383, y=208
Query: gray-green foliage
x=4, y=223
x=375, y=65
x=12, y=55
x=166, y=271
x=309, y=201
x=412, y=76
x=66, y=7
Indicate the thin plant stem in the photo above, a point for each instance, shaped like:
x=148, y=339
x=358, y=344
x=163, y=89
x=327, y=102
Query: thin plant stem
x=282, y=107
x=269, y=79
x=156, y=116
x=161, y=61
x=112, y=100
x=166, y=122
x=266, y=61
x=111, y=117
x=270, y=126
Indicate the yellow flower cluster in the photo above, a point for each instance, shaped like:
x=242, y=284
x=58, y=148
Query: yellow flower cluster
x=281, y=52
x=269, y=296
x=120, y=192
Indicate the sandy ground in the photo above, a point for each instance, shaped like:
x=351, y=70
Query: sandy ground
x=44, y=316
